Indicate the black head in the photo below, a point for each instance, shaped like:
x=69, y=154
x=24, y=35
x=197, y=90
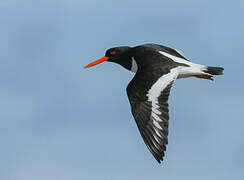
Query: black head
x=121, y=55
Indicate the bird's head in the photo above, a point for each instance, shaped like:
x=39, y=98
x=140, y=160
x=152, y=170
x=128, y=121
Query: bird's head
x=121, y=55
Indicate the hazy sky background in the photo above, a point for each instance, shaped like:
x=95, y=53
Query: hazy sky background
x=59, y=121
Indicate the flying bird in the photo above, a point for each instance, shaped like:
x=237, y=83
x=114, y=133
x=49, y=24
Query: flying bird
x=156, y=67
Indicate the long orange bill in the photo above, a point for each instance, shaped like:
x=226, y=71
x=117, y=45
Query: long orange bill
x=97, y=62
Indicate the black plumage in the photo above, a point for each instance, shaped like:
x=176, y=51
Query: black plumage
x=156, y=67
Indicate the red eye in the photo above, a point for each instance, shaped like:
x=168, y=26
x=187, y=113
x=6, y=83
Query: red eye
x=113, y=52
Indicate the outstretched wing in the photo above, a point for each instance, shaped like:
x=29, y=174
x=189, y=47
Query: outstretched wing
x=148, y=94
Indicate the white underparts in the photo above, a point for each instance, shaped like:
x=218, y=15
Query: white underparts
x=187, y=71
x=156, y=90
x=134, y=66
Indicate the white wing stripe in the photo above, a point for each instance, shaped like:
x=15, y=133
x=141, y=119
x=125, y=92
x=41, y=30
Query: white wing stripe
x=178, y=51
x=156, y=111
x=156, y=90
x=155, y=116
x=134, y=66
x=193, y=69
x=161, y=84
x=157, y=125
x=157, y=133
x=176, y=59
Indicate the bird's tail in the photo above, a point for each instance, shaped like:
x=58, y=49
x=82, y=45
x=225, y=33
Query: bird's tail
x=209, y=71
x=214, y=70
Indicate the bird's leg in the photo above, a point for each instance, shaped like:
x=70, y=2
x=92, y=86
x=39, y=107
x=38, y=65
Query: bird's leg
x=204, y=76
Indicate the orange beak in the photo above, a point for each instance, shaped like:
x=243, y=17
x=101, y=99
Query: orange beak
x=97, y=62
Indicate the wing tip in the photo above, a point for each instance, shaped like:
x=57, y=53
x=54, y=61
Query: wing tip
x=159, y=159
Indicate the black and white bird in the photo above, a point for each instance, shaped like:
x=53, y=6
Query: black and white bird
x=156, y=68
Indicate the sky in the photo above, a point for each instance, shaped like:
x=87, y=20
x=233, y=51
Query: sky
x=60, y=121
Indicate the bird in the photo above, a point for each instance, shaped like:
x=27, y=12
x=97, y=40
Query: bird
x=156, y=68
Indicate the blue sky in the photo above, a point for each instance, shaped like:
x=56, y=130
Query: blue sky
x=59, y=121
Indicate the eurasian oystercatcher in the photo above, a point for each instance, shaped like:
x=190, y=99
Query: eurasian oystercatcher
x=156, y=68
